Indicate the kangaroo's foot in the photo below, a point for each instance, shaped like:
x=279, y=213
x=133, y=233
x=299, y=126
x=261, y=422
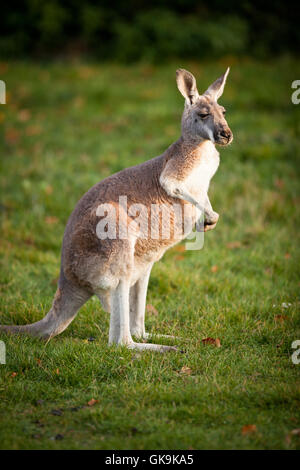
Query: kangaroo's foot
x=151, y=347
x=141, y=334
x=155, y=335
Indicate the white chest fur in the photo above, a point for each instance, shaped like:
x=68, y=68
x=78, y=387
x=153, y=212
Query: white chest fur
x=197, y=182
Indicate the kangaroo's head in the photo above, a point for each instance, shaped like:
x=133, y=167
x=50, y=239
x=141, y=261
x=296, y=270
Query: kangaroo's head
x=203, y=117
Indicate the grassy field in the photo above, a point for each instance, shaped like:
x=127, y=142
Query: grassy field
x=67, y=126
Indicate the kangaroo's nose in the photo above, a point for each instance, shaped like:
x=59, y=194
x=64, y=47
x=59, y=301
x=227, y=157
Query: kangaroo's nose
x=225, y=134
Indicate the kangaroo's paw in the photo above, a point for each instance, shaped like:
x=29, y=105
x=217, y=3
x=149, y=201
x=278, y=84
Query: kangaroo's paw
x=154, y=335
x=151, y=347
x=143, y=335
x=211, y=220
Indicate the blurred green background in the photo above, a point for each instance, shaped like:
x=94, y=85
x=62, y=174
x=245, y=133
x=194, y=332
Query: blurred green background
x=149, y=30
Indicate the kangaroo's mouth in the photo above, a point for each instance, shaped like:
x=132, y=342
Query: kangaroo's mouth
x=224, y=141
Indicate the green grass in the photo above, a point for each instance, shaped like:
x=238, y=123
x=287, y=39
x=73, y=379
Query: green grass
x=67, y=126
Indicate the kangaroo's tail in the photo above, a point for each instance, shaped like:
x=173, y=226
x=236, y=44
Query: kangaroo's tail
x=66, y=303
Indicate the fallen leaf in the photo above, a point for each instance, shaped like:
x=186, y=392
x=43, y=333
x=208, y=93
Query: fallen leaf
x=233, y=245
x=48, y=189
x=14, y=374
x=23, y=115
x=294, y=432
x=214, y=268
x=3, y=67
x=152, y=310
x=185, y=370
x=249, y=429
x=51, y=220
x=280, y=318
x=179, y=248
x=12, y=136
x=214, y=341
x=92, y=402
x=287, y=255
x=57, y=371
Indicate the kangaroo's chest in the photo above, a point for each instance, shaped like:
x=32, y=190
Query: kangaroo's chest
x=197, y=181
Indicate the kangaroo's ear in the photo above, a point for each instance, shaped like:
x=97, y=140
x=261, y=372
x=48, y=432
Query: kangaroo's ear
x=216, y=89
x=187, y=86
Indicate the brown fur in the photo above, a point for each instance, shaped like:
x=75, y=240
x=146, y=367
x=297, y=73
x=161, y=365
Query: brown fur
x=107, y=267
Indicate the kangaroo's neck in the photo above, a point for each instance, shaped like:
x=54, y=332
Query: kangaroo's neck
x=191, y=148
x=188, y=168
x=189, y=154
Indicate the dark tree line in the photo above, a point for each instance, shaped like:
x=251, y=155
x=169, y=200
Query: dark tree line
x=152, y=30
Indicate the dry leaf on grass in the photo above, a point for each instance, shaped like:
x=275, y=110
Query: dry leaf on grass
x=214, y=341
x=214, y=268
x=152, y=310
x=48, y=189
x=12, y=135
x=233, y=245
x=92, y=402
x=294, y=432
x=185, y=370
x=24, y=115
x=179, y=257
x=179, y=248
x=249, y=429
x=51, y=220
x=281, y=318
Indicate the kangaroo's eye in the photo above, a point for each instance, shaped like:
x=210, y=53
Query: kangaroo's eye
x=224, y=111
x=203, y=116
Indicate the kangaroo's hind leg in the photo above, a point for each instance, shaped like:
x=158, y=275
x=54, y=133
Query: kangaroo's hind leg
x=119, y=321
x=138, y=295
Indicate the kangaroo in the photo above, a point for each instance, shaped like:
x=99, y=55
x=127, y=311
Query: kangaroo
x=116, y=269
